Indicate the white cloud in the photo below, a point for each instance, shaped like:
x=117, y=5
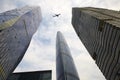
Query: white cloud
x=87, y=68
x=41, y=52
x=6, y=5
x=109, y=4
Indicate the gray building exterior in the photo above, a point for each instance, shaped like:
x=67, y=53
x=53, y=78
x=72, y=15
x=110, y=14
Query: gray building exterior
x=65, y=67
x=17, y=27
x=35, y=75
x=99, y=31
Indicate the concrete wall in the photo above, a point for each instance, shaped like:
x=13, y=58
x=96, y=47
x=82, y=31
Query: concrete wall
x=99, y=30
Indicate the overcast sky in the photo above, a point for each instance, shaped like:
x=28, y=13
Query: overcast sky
x=41, y=52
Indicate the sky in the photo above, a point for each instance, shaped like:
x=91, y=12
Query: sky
x=41, y=54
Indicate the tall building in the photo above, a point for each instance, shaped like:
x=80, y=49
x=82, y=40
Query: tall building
x=36, y=75
x=16, y=30
x=65, y=66
x=99, y=30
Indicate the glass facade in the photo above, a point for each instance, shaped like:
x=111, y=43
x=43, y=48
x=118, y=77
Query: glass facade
x=16, y=30
x=37, y=75
x=65, y=66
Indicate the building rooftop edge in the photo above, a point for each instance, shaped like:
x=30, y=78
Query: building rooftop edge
x=33, y=71
x=108, y=16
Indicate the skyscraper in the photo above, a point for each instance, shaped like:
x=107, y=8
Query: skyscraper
x=35, y=75
x=16, y=30
x=65, y=66
x=99, y=30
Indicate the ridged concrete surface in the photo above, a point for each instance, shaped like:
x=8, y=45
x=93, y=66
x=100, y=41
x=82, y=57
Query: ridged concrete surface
x=99, y=30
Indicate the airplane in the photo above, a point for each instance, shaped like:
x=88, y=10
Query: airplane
x=56, y=15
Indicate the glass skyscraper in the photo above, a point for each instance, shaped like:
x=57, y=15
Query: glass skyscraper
x=35, y=75
x=65, y=66
x=17, y=27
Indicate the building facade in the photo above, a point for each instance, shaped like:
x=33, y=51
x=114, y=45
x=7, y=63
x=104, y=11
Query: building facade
x=65, y=66
x=99, y=31
x=36, y=75
x=16, y=30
